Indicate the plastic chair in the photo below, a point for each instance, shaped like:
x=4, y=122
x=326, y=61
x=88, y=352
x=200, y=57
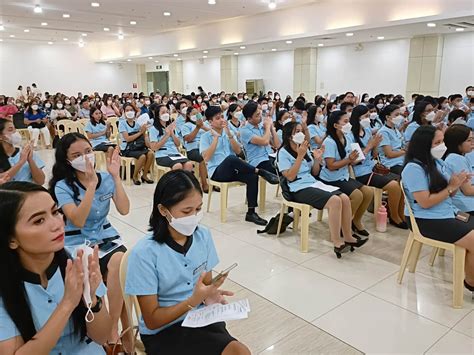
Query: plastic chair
x=100, y=161
x=126, y=166
x=114, y=133
x=224, y=187
x=25, y=134
x=131, y=306
x=412, y=252
x=157, y=171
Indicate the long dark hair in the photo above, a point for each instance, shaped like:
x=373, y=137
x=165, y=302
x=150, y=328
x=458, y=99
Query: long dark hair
x=92, y=120
x=420, y=107
x=454, y=136
x=334, y=118
x=4, y=162
x=387, y=111
x=419, y=152
x=188, y=114
x=287, y=136
x=157, y=122
x=358, y=111
x=62, y=169
x=12, y=289
x=312, y=110
x=172, y=188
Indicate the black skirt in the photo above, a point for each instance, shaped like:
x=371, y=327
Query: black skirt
x=178, y=340
x=314, y=197
x=448, y=230
x=194, y=155
x=377, y=180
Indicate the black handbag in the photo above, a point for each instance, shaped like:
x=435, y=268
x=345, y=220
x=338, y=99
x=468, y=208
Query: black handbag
x=136, y=145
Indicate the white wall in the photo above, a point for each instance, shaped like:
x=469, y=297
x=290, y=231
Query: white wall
x=276, y=70
x=457, y=67
x=205, y=73
x=63, y=68
x=379, y=67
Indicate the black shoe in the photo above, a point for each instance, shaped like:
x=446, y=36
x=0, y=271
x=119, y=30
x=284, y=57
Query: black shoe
x=269, y=177
x=401, y=225
x=344, y=248
x=216, y=189
x=357, y=244
x=148, y=181
x=469, y=287
x=137, y=182
x=255, y=218
x=362, y=232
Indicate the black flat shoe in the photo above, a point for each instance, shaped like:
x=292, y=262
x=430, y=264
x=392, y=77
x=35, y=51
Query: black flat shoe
x=148, y=181
x=137, y=182
x=362, y=232
x=269, y=177
x=255, y=218
x=344, y=248
x=358, y=244
x=401, y=225
x=469, y=287
x=216, y=189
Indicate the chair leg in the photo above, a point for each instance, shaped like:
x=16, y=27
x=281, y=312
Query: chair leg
x=320, y=215
x=262, y=194
x=129, y=172
x=415, y=255
x=224, y=196
x=405, y=257
x=458, y=276
x=211, y=188
x=434, y=253
x=305, y=229
x=280, y=220
x=278, y=190
x=296, y=219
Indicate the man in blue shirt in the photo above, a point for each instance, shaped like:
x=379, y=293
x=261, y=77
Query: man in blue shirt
x=219, y=150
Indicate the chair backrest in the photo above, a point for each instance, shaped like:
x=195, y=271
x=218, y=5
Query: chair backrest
x=113, y=128
x=65, y=126
x=414, y=226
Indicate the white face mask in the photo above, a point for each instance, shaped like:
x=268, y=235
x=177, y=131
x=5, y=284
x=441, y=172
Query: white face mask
x=290, y=104
x=264, y=107
x=34, y=107
x=270, y=104
x=165, y=117
x=193, y=118
x=322, y=105
x=15, y=139
x=373, y=116
x=79, y=163
x=109, y=102
x=365, y=122
x=184, y=110
x=199, y=101
x=366, y=99
x=470, y=92
x=299, y=138
x=320, y=118
x=186, y=225
x=147, y=102
x=67, y=102
x=59, y=106
x=277, y=97
x=288, y=120
x=130, y=114
x=379, y=106
x=346, y=128
x=237, y=115
x=403, y=109
x=398, y=120
x=430, y=117
x=438, y=151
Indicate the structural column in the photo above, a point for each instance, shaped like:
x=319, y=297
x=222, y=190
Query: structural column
x=424, y=65
x=176, y=76
x=304, y=72
x=141, y=78
x=229, y=73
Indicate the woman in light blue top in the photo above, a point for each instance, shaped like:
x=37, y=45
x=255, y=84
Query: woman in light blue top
x=423, y=115
x=316, y=128
x=338, y=155
x=458, y=140
x=375, y=122
x=170, y=272
x=363, y=170
x=235, y=119
x=429, y=187
x=391, y=148
x=98, y=132
x=41, y=289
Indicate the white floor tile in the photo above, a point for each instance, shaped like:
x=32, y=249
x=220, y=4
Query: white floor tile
x=466, y=325
x=453, y=343
x=375, y=326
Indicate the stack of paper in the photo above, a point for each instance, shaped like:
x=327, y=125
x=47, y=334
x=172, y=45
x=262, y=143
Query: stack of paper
x=215, y=313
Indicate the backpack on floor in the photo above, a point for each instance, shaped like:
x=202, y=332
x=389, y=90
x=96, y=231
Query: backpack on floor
x=272, y=225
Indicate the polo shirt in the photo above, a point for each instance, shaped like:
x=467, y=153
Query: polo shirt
x=316, y=130
x=124, y=126
x=223, y=150
x=458, y=163
x=94, y=129
x=169, y=148
x=188, y=128
x=331, y=151
x=169, y=270
x=24, y=174
x=411, y=128
x=255, y=153
x=304, y=178
x=393, y=138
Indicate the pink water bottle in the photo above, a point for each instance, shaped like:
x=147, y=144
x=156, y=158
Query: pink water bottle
x=381, y=220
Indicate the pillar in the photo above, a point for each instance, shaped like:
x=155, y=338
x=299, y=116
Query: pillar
x=176, y=76
x=229, y=73
x=141, y=78
x=424, y=65
x=304, y=72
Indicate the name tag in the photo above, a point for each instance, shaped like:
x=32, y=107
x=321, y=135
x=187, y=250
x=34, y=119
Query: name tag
x=106, y=197
x=200, y=269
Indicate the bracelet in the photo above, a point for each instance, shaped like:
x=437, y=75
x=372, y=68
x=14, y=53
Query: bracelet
x=98, y=306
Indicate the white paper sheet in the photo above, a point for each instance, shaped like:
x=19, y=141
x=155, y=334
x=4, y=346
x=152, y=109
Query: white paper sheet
x=322, y=186
x=215, y=313
x=356, y=146
x=177, y=157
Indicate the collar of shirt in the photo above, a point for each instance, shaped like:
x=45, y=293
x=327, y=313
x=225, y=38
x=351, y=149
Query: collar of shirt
x=182, y=249
x=99, y=180
x=31, y=277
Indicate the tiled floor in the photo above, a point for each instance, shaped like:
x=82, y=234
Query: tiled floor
x=313, y=303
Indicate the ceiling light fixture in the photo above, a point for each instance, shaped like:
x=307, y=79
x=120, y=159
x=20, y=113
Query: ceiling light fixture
x=211, y=2
x=205, y=52
x=12, y=36
x=38, y=9
x=236, y=53
x=121, y=36
x=81, y=44
x=242, y=47
x=129, y=60
x=459, y=29
x=166, y=13
x=95, y=4
x=65, y=39
x=272, y=5
x=431, y=24
x=349, y=34
x=133, y=22
x=380, y=37
x=106, y=29
x=175, y=55
x=320, y=44
x=1, y=40
x=26, y=30
x=66, y=16
x=274, y=49
x=150, y=57
x=289, y=42
x=84, y=34
x=204, y=56
x=50, y=43
x=44, y=24
x=179, y=59
x=111, y=62
x=157, y=61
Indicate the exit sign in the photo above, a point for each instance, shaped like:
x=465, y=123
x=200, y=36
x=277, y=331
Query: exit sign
x=159, y=67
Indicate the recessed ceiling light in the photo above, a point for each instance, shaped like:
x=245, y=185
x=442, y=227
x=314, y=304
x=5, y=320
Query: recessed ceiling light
x=205, y=52
x=274, y=49
x=106, y=29
x=84, y=34
x=38, y=9
x=150, y=57
x=431, y=24
x=95, y=4
x=110, y=62
x=320, y=44
x=166, y=13
x=380, y=37
x=133, y=22
x=204, y=56
x=129, y=60
x=157, y=61
x=272, y=5
x=1, y=40
x=242, y=47
x=44, y=24
x=179, y=59
x=289, y=42
x=459, y=29
x=81, y=44
x=2, y=28
x=66, y=15
x=211, y=2
x=349, y=34
x=121, y=36
x=26, y=30
x=175, y=55
x=65, y=39
x=236, y=53
x=50, y=42
x=12, y=36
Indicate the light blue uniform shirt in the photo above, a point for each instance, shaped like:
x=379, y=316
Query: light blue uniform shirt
x=97, y=226
x=98, y=128
x=304, y=178
x=411, y=128
x=168, y=270
x=223, y=150
x=457, y=164
x=365, y=166
x=415, y=179
x=43, y=302
x=280, y=135
x=131, y=130
x=331, y=151
x=24, y=174
x=393, y=138
x=316, y=131
x=470, y=159
x=235, y=130
x=255, y=153
x=470, y=123
x=377, y=124
x=180, y=121
x=187, y=128
x=167, y=149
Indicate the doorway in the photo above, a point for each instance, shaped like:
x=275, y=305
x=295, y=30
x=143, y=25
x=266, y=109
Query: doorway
x=158, y=81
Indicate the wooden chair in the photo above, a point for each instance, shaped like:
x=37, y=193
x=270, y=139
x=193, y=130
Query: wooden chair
x=131, y=306
x=412, y=252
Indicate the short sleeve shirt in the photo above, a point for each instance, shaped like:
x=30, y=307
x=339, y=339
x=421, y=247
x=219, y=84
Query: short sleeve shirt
x=94, y=129
x=187, y=128
x=167, y=149
x=24, y=174
x=124, y=126
x=457, y=164
x=365, y=166
x=393, y=138
x=330, y=151
x=411, y=128
x=223, y=150
x=255, y=153
x=316, y=131
x=304, y=178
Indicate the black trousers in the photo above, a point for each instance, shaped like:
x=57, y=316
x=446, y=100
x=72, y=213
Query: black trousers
x=267, y=165
x=235, y=169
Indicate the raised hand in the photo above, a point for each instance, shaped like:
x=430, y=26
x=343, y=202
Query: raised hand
x=73, y=282
x=4, y=177
x=95, y=276
x=202, y=291
x=25, y=153
x=90, y=174
x=353, y=156
x=318, y=154
x=113, y=163
x=267, y=122
x=302, y=149
x=458, y=179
